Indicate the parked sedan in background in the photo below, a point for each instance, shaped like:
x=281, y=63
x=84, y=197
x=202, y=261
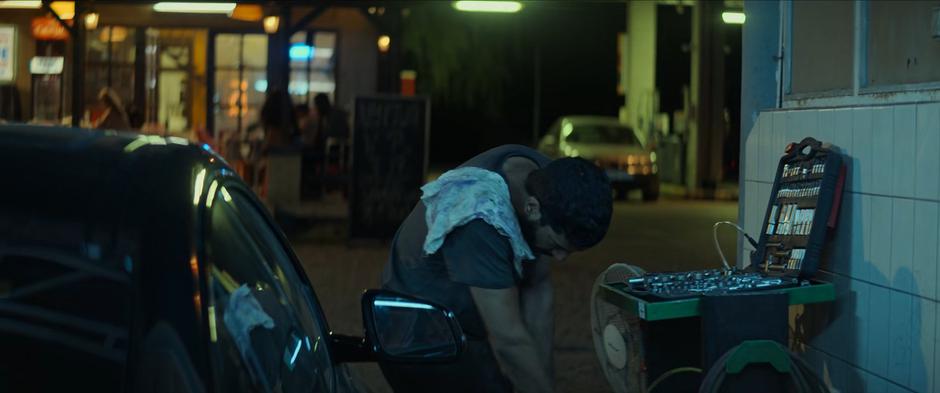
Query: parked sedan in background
x=630, y=161
x=142, y=263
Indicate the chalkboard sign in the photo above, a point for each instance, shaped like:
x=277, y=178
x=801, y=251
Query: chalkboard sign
x=389, y=162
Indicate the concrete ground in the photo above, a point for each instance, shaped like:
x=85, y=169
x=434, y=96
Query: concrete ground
x=666, y=235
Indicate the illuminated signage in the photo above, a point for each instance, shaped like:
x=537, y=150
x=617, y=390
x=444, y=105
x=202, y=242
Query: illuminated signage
x=46, y=65
x=47, y=28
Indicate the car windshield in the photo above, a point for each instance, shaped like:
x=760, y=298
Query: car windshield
x=602, y=133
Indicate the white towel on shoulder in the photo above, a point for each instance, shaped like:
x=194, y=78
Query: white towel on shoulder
x=465, y=194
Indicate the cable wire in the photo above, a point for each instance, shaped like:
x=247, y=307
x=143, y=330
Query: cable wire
x=670, y=373
x=718, y=246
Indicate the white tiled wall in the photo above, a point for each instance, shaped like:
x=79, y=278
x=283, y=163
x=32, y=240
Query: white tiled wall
x=881, y=335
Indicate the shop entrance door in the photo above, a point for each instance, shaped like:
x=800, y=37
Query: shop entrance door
x=175, y=71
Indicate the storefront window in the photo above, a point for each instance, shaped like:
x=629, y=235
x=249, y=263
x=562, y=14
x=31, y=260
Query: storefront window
x=47, y=88
x=240, y=80
x=176, y=64
x=255, y=51
x=173, y=87
x=312, y=63
x=110, y=56
x=226, y=50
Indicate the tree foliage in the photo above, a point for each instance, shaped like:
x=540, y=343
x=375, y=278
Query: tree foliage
x=462, y=59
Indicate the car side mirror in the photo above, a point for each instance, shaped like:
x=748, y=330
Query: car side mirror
x=405, y=329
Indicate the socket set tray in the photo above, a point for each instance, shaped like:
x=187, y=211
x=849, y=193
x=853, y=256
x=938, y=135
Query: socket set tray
x=706, y=282
x=803, y=206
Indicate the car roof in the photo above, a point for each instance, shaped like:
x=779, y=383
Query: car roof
x=89, y=177
x=587, y=119
x=85, y=192
x=109, y=204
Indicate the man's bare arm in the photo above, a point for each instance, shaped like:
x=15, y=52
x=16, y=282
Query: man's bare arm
x=538, y=313
x=513, y=345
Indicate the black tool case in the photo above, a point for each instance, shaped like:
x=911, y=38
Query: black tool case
x=803, y=208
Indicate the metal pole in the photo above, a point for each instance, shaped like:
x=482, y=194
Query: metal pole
x=78, y=65
x=283, y=47
x=536, y=94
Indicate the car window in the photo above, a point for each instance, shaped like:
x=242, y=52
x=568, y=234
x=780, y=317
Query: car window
x=602, y=133
x=263, y=331
x=297, y=289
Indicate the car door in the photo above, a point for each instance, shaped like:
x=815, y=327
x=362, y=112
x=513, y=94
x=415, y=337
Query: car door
x=267, y=332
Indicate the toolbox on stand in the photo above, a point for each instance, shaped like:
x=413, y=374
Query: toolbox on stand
x=689, y=317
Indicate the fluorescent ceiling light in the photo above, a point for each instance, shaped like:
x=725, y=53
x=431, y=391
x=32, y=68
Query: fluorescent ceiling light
x=736, y=18
x=488, y=6
x=21, y=4
x=196, y=8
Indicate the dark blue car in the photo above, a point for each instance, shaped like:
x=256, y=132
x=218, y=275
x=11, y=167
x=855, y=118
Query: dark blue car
x=142, y=263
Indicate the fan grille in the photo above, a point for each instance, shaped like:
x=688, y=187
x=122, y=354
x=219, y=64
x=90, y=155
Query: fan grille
x=630, y=378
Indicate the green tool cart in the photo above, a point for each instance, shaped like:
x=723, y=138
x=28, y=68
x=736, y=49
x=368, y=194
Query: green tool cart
x=696, y=320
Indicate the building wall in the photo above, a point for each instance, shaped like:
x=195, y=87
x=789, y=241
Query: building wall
x=880, y=335
x=641, y=64
x=760, y=74
x=358, y=53
x=25, y=50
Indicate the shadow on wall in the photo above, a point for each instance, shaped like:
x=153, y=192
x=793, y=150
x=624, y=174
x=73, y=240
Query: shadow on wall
x=869, y=329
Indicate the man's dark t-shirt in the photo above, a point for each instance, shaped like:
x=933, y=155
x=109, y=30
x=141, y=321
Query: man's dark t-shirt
x=474, y=254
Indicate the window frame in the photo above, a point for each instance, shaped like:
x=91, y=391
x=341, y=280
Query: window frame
x=212, y=67
x=860, y=94
x=241, y=68
x=787, y=27
x=308, y=69
x=110, y=65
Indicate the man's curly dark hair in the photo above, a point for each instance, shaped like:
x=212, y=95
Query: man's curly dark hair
x=575, y=199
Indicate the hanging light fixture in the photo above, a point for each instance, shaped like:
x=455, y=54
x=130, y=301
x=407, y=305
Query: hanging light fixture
x=91, y=20
x=271, y=23
x=247, y=12
x=384, y=42
x=64, y=9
